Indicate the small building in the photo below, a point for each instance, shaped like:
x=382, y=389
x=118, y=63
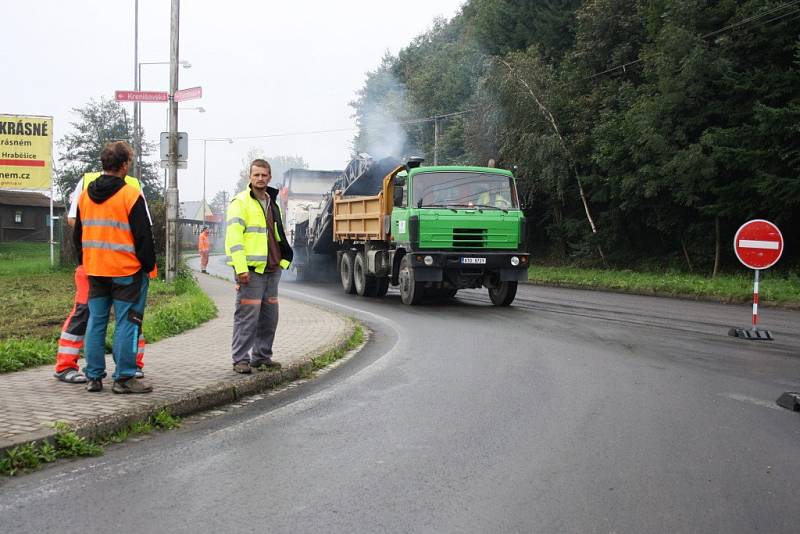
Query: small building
x=25, y=216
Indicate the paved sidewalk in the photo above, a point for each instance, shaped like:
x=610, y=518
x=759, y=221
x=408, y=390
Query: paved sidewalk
x=189, y=372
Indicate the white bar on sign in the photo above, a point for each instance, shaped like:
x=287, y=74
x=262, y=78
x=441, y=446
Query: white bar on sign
x=769, y=245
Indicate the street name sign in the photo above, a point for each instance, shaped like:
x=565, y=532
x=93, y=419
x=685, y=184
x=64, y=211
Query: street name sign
x=191, y=93
x=141, y=96
x=26, y=152
x=758, y=244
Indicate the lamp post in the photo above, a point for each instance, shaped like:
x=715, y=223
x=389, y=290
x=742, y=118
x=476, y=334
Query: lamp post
x=206, y=141
x=137, y=110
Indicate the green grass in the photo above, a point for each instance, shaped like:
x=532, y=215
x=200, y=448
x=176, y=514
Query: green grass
x=35, y=305
x=356, y=339
x=68, y=444
x=783, y=289
x=29, y=258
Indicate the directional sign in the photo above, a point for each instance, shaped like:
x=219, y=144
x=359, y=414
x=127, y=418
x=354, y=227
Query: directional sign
x=188, y=94
x=758, y=244
x=141, y=96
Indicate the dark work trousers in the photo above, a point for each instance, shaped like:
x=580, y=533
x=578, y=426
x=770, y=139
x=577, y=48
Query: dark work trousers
x=255, y=318
x=128, y=295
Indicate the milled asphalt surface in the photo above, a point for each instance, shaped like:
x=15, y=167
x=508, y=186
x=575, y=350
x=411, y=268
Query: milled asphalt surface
x=571, y=411
x=189, y=372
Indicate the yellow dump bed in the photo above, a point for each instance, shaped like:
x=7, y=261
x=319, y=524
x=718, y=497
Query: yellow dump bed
x=358, y=218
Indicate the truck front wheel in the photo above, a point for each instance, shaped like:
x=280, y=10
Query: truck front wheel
x=504, y=294
x=411, y=291
x=346, y=273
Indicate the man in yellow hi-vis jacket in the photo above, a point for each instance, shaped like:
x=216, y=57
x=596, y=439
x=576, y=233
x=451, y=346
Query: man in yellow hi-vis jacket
x=257, y=249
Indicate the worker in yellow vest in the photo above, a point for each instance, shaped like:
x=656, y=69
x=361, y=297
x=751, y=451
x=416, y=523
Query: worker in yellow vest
x=258, y=251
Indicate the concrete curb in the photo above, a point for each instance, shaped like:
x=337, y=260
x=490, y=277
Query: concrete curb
x=210, y=396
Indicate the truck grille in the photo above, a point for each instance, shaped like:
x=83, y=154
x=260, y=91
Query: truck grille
x=469, y=237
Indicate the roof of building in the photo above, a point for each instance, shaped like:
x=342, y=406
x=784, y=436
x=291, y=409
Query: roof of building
x=27, y=198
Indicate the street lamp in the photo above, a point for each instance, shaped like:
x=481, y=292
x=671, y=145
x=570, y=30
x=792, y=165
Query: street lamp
x=137, y=110
x=206, y=141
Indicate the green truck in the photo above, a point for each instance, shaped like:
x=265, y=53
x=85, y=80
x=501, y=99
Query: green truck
x=432, y=231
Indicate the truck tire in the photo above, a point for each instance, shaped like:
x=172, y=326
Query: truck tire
x=346, y=273
x=411, y=291
x=504, y=294
x=365, y=284
x=383, y=287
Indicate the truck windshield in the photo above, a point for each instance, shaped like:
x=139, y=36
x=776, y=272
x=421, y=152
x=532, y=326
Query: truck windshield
x=464, y=189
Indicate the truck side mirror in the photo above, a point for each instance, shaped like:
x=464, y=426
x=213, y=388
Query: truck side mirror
x=398, y=196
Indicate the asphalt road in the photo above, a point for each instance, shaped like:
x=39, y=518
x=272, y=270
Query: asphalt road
x=571, y=411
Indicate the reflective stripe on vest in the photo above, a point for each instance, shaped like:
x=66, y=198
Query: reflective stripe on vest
x=106, y=237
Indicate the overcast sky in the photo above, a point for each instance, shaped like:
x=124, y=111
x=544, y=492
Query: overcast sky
x=266, y=67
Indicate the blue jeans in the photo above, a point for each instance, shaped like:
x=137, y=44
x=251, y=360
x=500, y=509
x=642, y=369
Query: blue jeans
x=128, y=295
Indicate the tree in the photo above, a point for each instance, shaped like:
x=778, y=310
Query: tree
x=98, y=123
x=279, y=165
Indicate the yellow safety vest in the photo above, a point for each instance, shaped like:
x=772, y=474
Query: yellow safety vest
x=246, y=243
x=90, y=177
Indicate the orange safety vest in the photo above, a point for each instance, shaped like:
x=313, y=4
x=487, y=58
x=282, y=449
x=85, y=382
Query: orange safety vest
x=202, y=246
x=106, y=237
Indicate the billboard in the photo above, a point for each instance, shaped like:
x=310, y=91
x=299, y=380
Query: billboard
x=26, y=152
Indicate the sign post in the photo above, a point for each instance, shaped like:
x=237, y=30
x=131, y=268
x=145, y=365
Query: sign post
x=758, y=244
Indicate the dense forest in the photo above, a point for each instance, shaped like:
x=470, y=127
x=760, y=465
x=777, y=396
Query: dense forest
x=643, y=132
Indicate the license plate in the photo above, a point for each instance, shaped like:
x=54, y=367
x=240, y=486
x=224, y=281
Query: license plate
x=474, y=261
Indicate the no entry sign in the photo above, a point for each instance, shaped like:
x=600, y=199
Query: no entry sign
x=758, y=244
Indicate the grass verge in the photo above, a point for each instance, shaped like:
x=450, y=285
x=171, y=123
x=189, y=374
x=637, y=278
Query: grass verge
x=68, y=444
x=38, y=304
x=775, y=288
x=320, y=362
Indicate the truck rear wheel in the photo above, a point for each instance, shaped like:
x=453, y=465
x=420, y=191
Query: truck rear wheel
x=365, y=284
x=411, y=291
x=346, y=273
x=504, y=294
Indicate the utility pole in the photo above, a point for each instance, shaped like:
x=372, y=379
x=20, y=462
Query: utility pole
x=435, y=140
x=172, y=190
x=135, y=170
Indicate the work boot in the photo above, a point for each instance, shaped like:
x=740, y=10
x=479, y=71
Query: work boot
x=131, y=385
x=95, y=385
x=242, y=367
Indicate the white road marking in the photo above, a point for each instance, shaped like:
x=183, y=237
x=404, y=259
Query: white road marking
x=749, y=243
x=752, y=400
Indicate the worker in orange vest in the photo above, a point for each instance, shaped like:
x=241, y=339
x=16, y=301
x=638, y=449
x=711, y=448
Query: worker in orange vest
x=70, y=342
x=202, y=247
x=114, y=243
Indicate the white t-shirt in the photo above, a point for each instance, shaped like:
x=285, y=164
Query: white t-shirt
x=76, y=195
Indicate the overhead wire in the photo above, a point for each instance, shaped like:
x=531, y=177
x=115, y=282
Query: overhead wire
x=727, y=28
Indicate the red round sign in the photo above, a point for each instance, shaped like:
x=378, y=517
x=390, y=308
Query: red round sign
x=758, y=244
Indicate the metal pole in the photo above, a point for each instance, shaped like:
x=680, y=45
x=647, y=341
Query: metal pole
x=172, y=190
x=135, y=169
x=435, y=140
x=52, y=223
x=204, y=179
x=755, y=300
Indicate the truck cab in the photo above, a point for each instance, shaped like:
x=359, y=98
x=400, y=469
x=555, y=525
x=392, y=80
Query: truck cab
x=456, y=227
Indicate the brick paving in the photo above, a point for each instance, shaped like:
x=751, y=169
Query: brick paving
x=189, y=372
